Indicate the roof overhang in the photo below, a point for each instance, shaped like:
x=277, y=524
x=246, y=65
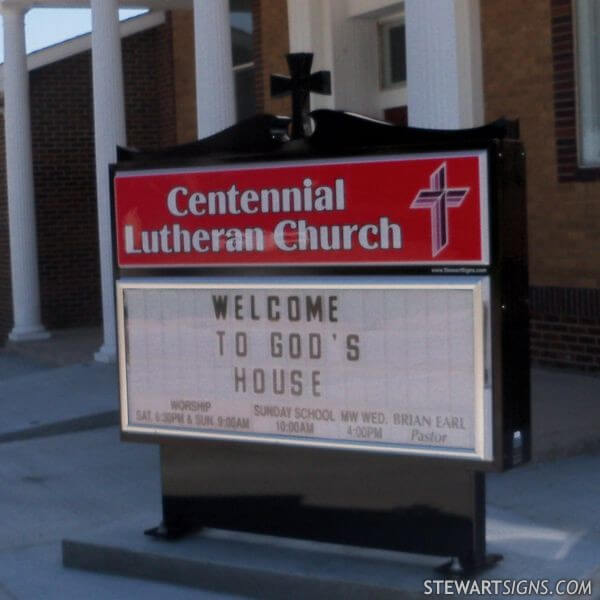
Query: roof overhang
x=83, y=42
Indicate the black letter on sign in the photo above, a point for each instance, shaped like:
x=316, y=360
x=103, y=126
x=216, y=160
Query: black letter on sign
x=314, y=308
x=352, y=349
x=294, y=308
x=239, y=376
x=241, y=344
x=220, y=335
x=220, y=306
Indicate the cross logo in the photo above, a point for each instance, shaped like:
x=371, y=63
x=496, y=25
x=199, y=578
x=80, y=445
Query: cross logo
x=438, y=198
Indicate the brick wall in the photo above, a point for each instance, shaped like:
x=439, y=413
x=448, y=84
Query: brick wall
x=564, y=89
x=564, y=217
x=62, y=135
x=565, y=327
x=149, y=96
x=271, y=44
x=521, y=74
x=184, y=75
x=165, y=83
x=64, y=171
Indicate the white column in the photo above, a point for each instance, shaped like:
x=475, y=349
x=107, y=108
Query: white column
x=443, y=53
x=215, y=91
x=310, y=29
x=109, y=125
x=300, y=25
x=19, y=175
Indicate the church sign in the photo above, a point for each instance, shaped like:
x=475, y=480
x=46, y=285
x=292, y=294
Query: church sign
x=397, y=362
x=388, y=364
x=396, y=210
x=305, y=325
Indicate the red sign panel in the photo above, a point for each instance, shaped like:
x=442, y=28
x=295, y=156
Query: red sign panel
x=405, y=210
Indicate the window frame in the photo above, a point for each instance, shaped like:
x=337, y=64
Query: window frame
x=248, y=65
x=396, y=96
x=583, y=93
x=567, y=120
x=383, y=27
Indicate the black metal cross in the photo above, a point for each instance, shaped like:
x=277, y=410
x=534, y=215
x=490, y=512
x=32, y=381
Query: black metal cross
x=300, y=84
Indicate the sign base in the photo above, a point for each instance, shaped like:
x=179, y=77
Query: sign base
x=412, y=507
x=454, y=567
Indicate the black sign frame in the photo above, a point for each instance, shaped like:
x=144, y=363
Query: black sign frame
x=246, y=506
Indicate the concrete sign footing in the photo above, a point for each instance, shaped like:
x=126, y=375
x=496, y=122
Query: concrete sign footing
x=253, y=566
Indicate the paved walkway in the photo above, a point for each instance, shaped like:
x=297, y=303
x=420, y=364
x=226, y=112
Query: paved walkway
x=65, y=473
x=64, y=347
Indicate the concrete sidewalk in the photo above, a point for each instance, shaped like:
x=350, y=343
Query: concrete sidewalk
x=65, y=474
x=565, y=413
x=51, y=401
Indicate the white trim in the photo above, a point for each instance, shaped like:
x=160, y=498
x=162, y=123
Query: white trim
x=124, y=4
x=373, y=9
x=443, y=60
x=243, y=66
x=392, y=98
x=82, y=43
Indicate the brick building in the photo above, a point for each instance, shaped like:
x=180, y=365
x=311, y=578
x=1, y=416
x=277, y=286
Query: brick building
x=490, y=59
x=530, y=63
x=63, y=158
x=160, y=109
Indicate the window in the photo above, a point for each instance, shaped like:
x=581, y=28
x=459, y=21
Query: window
x=392, y=44
x=243, y=57
x=588, y=80
x=575, y=85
